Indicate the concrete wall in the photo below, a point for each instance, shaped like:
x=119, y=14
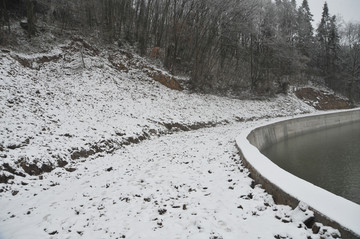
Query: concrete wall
x=286, y=188
x=271, y=134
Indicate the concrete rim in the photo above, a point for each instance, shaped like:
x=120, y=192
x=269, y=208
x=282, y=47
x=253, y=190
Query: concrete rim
x=288, y=189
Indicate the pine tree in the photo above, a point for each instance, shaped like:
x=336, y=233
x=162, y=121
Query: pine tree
x=329, y=45
x=305, y=30
x=323, y=32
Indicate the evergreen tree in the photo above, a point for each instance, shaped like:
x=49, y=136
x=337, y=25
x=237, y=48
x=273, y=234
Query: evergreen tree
x=223, y=44
x=305, y=29
x=329, y=45
x=323, y=34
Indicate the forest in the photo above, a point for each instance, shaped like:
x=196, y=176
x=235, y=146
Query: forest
x=224, y=46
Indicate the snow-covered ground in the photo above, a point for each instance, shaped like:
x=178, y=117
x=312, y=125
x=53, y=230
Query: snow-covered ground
x=186, y=185
x=173, y=184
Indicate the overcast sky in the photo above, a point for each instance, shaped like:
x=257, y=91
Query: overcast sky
x=348, y=9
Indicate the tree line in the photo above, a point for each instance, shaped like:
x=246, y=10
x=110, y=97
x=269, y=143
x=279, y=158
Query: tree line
x=256, y=46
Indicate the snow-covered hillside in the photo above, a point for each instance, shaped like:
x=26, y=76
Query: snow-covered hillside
x=89, y=149
x=56, y=111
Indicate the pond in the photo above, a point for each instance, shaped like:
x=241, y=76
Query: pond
x=327, y=158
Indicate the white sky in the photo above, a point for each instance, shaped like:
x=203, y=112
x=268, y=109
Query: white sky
x=348, y=9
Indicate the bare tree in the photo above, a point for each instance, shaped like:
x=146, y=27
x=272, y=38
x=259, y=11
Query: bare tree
x=351, y=60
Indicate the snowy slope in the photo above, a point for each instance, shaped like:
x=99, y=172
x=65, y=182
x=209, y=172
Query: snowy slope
x=186, y=185
x=84, y=124
x=52, y=111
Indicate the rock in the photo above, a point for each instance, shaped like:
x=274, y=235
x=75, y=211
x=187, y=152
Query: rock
x=24, y=24
x=309, y=222
x=53, y=233
x=34, y=170
x=316, y=228
x=61, y=163
x=286, y=220
x=162, y=211
x=70, y=169
x=335, y=234
x=5, y=179
x=14, y=146
x=11, y=170
x=252, y=185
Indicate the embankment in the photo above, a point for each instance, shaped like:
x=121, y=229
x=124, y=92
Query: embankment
x=286, y=188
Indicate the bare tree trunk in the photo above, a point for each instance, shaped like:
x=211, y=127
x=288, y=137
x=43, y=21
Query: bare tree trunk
x=30, y=18
x=82, y=57
x=5, y=15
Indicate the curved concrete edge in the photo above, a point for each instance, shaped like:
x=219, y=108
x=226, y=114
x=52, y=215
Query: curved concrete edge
x=288, y=189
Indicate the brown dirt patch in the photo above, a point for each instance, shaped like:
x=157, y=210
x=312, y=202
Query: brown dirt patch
x=125, y=61
x=29, y=62
x=5, y=178
x=78, y=44
x=168, y=81
x=34, y=170
x=117, y=64
x=322, y=100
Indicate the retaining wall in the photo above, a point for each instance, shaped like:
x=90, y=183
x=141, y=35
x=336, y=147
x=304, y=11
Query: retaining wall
x=288, y=189
x=271, y=134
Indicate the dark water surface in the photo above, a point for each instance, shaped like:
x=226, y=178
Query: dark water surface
x=328, y=158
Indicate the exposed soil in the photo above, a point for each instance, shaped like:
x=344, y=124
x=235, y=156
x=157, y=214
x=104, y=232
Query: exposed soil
x=58, y=81
x=5, y=178
x=167, y=81
x=124, y=61
x=322, y=100
x=110, y=146
x=105, y=146
x=35, y=62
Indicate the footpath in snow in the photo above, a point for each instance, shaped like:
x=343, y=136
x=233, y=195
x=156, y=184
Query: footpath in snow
x=185, y=185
